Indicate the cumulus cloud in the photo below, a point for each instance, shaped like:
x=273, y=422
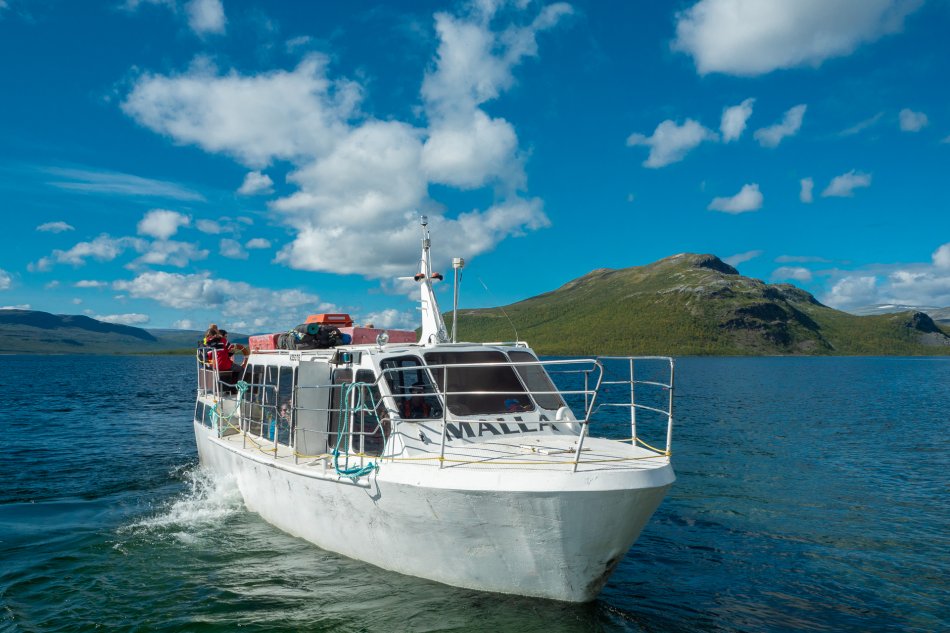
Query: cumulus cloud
x=790, y=124
x=132, y=318
x=19, y=306
x=941, y=256
x=231, y=249
x=256, y=183
x=103, y=248
x=734, y=120
x=162, y=223
x=360, y=180
x=184, y=324
x=843, y=186
x=6, y=280
x=911, y=121
x=232, y=299
x=257, y=243
x=740, y=258
x=806, y=194
x=169, y=253
x=749, y=198
x=90, y=283
x=670, y=142
x=206, y=16
x=752, y=38
x=390, y=319
x=853, y=291
x=798, y=273
x=55, y=227
x=921, y=284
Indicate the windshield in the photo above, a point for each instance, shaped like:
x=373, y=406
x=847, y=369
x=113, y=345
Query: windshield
x=537, y=381
x=500, y=390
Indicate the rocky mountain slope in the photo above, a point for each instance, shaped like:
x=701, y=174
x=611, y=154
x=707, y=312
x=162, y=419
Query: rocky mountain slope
x=695, y=304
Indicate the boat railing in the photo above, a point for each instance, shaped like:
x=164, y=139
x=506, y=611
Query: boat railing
x=591, y=394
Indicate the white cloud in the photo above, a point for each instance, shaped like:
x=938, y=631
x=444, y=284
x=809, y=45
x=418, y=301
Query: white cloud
x=798, y=273
x=740, y=37
x=862, y=125
x=800, y=259
x=161, y=223
x=132, y=318
x=806, y=194
x=41, y=265
x=739, y=258
x=90, y=283
x=51, y=285
x=792, y=122
x=6, y=280
x=55, y=227
x=206, y=16
x=941, y=256
x=911, y=121
x=390, y=319
x=734, y=120
x=256, y=183
x=853, y=291
x=208, y=226
x=110, y=182
x=361, y=180
x=843, y=186
x=103, y=248
x=670, y=142
x=77, y=301
x=277, y=115
x=19, y=306
x=749, y=198
x=170, y=253
x=184, y=324
x=231, y=249
x=231, y=299
x=257, y=243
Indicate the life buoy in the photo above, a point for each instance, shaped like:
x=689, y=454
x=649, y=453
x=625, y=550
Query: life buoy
x=245, y=353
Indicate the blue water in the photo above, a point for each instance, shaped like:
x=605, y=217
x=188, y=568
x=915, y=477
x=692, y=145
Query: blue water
x=812, y=494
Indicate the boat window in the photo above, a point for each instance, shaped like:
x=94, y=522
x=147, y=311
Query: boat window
x=409, y=383
x=537, y=381
x=499, y=389
x=373, y=433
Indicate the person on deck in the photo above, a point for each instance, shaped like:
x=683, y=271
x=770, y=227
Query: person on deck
x=415, y=406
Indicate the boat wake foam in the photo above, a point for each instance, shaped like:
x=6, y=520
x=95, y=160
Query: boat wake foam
x=209, y=499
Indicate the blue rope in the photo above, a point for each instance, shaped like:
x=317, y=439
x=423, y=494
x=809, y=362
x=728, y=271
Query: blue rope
x=355, y=472
x=242, y=388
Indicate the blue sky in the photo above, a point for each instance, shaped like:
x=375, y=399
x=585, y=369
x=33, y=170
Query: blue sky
x=168, y=163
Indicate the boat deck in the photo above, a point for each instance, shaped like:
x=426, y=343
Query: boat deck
x=548, y=453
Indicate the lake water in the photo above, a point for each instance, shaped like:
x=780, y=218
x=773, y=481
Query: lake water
x=812, y=494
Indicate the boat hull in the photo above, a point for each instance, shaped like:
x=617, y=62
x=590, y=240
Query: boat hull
x=556, y=544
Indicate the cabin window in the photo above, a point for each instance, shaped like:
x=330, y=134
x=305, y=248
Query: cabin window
x=537, y=381
x=369, y=437
x=411, y=388
x=268, y=407
x=499, y=389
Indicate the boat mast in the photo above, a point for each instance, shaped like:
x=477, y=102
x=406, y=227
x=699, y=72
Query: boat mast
x=433, y=326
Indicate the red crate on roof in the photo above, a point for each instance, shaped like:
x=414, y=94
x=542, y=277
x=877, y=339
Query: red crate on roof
x=338, y=320
x=262, y=342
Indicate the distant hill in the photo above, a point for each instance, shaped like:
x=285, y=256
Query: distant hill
x=940, y=315
x=31, y=331
x=696, y=304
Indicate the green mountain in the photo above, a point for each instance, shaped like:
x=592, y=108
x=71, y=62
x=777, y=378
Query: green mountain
x=30, y=331
x=695, y=304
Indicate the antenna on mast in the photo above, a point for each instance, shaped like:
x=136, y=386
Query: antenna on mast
x=433, y=326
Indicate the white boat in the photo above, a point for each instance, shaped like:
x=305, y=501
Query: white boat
x=462, y=463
